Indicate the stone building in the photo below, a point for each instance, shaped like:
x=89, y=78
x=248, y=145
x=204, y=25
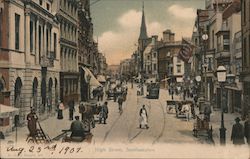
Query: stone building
x=101, y=64
x=29, y=56
x=220, y=21
x=67, y=15
x=170, y=67
x=245, y=74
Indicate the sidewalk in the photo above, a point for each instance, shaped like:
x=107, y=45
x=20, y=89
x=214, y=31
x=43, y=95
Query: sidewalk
x=228, y=123
x=51, y=126
x=215, y=118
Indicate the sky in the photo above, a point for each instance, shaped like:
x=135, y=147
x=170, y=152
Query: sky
x=117, y=23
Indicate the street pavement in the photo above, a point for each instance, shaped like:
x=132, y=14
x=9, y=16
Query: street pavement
x=163, y=127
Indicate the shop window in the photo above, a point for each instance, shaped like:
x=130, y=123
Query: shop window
x=4, y=121
x=178, y=68
x=247, y=88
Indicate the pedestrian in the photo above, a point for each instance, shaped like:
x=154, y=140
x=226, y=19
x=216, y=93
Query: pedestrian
x=60, y=110
x=49, y=104
x=207, y=112
x=77, y=128
x=32, y=122
x=71, y=109
x=101, y=95
x=143, y=118
x=186, y=110
x=120, y=101
x=193, y=111
x=237, y=135
x=246, y=129
x=103, y=115
x=115, y=94
x=195, y=99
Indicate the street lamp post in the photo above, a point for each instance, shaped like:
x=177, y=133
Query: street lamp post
x=172, y=82
x=205, y=38
x=221, y=76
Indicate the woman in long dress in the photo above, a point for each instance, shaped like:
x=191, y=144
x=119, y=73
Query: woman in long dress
x=143, y=118
x=60, y=110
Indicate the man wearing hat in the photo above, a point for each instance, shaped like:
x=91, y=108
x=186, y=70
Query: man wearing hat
x=32, y=121
x=237, y=135
x=77, y=128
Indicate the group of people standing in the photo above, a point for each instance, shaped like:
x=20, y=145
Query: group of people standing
x=61, y=107
x=239, y=132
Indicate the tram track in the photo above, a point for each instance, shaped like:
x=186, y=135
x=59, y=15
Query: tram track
x=164, y=125
x=131, y=126
x=114, y=123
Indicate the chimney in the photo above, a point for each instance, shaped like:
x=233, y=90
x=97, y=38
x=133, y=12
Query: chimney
x=168, y=36
x=154, y=39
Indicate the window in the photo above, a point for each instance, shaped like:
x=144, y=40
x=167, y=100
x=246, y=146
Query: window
x=154, y=54
x=55, y=42
x=48, y=6
x=178, y=60
x=219, y=43
x=41, y=2
x=226, y=42
x=213, y=39
x=247, y=88
x=17, y=31
x=39, y=39
x=154, y=67
x=47, y=41
x=210, y=64
x=31, y=36
x=178, y=68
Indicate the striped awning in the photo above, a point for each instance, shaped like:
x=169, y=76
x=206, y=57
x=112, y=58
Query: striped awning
x=93, y=81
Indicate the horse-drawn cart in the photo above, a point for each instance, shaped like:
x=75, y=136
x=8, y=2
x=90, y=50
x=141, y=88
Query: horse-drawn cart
x=202, y=126
x=171, y=106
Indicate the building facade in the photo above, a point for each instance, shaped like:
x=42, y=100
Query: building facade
x=30, y=57
x=245, y=74
x=67, y=15
x=221, y=22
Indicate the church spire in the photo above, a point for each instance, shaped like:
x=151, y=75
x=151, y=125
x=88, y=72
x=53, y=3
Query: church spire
x=143, y=30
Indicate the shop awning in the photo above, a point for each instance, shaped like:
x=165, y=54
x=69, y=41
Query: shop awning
x=93, y=81
x=6, y=111
x=101, y=78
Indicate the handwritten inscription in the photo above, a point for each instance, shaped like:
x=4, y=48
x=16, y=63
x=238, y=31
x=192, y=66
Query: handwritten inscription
x=51, y=149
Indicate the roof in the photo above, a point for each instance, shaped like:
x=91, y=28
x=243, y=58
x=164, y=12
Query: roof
x=235, y=7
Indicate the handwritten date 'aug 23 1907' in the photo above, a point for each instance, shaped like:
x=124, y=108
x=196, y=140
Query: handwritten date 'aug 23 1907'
x=52, y=149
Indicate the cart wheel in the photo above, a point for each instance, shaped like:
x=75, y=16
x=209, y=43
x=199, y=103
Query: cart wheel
x=31, y=140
